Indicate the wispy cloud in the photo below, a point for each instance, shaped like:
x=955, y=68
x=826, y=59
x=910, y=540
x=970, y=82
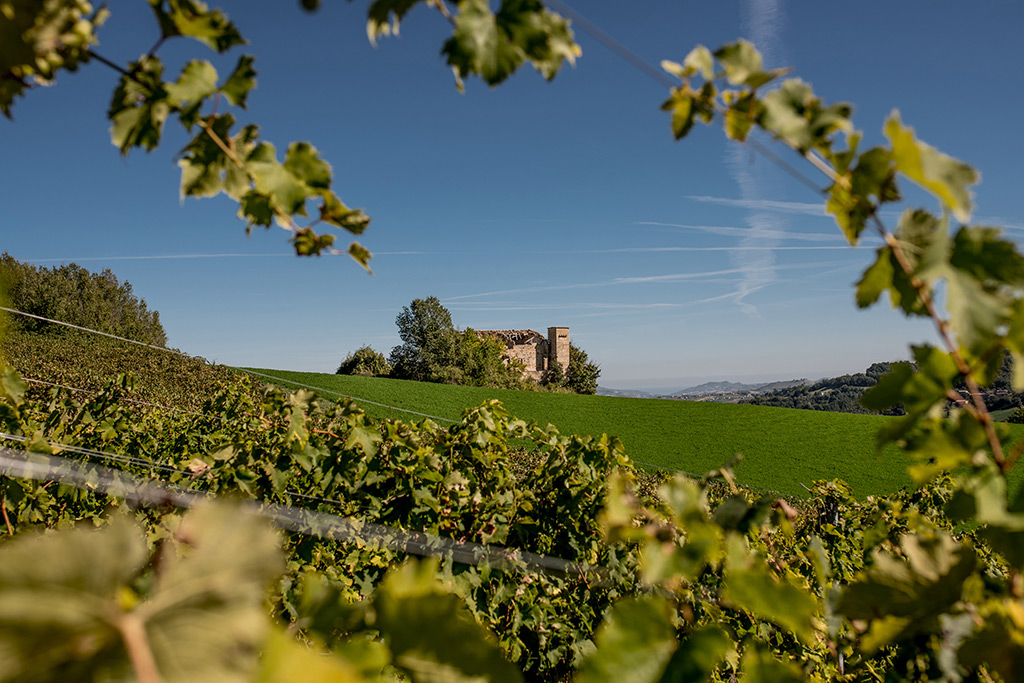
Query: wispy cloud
x=731, y=231
x=737, y=247
x=804, y=208
x=147, y=257
x=761, y=21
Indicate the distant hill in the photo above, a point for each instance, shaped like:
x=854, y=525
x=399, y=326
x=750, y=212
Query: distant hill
x=623, y=393
x=736, y=388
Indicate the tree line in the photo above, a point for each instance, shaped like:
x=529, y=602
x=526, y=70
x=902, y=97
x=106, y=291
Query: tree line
x=72, y=294
x=432, y=350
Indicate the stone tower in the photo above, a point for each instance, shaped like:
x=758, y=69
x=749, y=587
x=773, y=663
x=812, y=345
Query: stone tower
x=558, y=346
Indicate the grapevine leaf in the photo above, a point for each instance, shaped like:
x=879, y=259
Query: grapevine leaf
x=366, y=438
x=997, y=645
x=309, y=243
x=945, y=177
x=285, y=659
x=493, y=46
x=1015, y=343
x=903, y=597
x=916, y=389
x=477, y=47
x=544, y=37
x=869, y=184
x=287, y=193
x=303, y=161
x=700, y=61
x=360, y=253
x=635, y=642
x=255, y=207
x=760, y=666
x=876, y=279
x=740, y=60
x=885, y=274
x=243, y=79
x=740, y=116
x=198, y=80
x=37, y=39
x=203, y=163
x=12, y=385
x=408, y=607
x=795, y=115
x=379, y=20
x=750, y=586
x=193, y=19
x=334, y=211
x=139, y=107
x=681, y=106
x=55, y=594
x=698, y=655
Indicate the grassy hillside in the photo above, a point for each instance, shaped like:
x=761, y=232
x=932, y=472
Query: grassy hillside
x=782, y=448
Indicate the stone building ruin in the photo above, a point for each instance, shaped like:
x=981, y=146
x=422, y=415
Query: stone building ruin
x=532, y=349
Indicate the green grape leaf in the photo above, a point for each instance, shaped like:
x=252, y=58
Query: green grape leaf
x=286, y=192
x=681, y=106
x=38, y=39
x=334, y=211
x=55, y=594
x=139, y=107
x=908, y=595
x=740, y=60
x=431, y=633
x=945, y=177
x=203, y=163
x=309, y=243
x=194, y=19
x=752, y=587
x=876, y=279
x=996, y=645
x=198, y=80
x=285, y=660
x=243, y=79
x=304, y=162
x=761, y=666
x=743, y=111
x=256, y=208
x=1015, y=343
x=12, y=385
x=635, y=642
x=700, y=60
x=477, y=47
x=795, y=115
x=493, y=46
x=366, y=438
x=361, y=254
x=916, y=389
x=384, y=16
x=543, y=36
x=698, y=655
x=868, y=185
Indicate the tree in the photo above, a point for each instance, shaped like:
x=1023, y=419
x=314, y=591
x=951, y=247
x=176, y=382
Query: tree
x=582, y=374
x=429, y=349
x=39, y=38
x=364, y=361
x=72, y=294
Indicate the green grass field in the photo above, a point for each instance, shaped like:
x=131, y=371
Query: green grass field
x=782, y=448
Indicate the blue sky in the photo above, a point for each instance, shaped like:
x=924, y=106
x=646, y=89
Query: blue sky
x=529, y=205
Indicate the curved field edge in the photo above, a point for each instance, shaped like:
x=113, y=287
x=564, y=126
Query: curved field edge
x=783, y=449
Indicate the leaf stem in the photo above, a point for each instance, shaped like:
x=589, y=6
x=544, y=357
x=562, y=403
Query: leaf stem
x=7, y=521
x=980, y=412
x=133, y=634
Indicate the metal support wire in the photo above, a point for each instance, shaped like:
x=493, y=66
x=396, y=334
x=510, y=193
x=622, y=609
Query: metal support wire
x=136, y=492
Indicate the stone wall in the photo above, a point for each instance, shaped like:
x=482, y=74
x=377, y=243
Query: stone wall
x=533, y=350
